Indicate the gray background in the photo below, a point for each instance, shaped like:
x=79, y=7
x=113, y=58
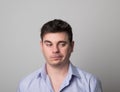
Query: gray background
x=96, y=28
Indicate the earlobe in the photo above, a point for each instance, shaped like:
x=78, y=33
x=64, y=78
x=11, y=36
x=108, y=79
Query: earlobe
x=72, y=46
x=41, y=44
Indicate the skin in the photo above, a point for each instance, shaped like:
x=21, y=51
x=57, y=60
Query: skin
x=56, y=49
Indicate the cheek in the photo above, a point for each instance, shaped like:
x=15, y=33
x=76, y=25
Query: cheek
x=45, y=51
x=66, y=51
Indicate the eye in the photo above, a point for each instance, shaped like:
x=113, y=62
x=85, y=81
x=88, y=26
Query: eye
x=62, y=44
x=48, y=44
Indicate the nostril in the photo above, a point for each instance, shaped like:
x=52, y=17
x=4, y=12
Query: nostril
x=55, y=49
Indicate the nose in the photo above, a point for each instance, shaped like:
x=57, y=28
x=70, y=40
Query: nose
x=55, y=49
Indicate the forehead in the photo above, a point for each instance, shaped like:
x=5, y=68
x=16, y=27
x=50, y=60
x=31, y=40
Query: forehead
x=54, y=37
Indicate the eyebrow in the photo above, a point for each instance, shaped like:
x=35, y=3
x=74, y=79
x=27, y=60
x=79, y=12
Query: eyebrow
x=62, y=42
x=47, y=41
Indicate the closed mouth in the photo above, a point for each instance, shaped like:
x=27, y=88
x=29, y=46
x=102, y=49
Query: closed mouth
x=56, y=57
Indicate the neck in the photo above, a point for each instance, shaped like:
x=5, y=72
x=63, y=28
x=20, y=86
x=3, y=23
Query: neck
x=60, y=70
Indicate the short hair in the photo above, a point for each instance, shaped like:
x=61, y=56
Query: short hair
x=57, y=25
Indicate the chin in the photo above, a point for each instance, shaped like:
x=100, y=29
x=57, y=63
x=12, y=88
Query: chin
x=56, y=63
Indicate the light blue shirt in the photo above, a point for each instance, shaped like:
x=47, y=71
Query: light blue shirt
x=76, y=81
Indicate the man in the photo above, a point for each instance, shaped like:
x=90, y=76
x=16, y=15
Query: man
x=58, y=74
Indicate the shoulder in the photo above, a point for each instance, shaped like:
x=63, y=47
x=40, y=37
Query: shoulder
x=25, y=82
x=92, y=81
x=31, y=76
x=87, y=76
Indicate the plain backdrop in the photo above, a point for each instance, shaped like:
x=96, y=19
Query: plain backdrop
x=96, y=28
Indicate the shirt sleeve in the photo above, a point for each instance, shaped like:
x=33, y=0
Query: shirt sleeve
x=95, y=85
x=20, y=87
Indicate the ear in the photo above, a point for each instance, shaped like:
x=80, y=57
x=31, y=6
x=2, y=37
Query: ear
x=41, y=44
x=72, y=46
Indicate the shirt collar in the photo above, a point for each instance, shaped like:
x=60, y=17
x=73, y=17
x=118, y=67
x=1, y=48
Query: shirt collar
x=43, y=73
x=71, y=72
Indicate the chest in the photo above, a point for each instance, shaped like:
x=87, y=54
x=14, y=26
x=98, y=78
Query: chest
x=66, y=86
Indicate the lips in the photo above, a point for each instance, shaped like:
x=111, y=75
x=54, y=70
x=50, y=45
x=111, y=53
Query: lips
x=56, y=57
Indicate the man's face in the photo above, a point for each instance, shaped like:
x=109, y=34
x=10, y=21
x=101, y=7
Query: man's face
x=56, y=48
